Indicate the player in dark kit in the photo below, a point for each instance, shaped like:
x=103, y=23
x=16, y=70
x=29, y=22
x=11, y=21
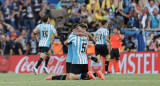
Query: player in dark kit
x=116, y=39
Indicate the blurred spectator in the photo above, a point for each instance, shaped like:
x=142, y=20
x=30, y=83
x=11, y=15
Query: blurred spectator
x=144, y=17
x=4, y=28
x=12, y=41
x=5, y=46
x=63, y=37
x=127, y=6
x=7, y=12
x=36, y=7
x=75, y=13
x=154, y=22
x=32, y=45
x=71, y=4
x=116, y=20
x=153, y=44
x=45, y=10
x=27, y=15
x=142, y=3
x=18, y=49
x=97, y=16
x=151, y=6
x=92, y=27
x=17, y=6
x=24, y=42
x=85, y=13
x=84, y=19
x=130, y=45
x=133, y=19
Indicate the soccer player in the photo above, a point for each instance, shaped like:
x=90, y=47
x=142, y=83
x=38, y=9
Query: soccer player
x=116, y=39
x=101, y=36
x=45, y=30
x=79, y=66
x=69, y=57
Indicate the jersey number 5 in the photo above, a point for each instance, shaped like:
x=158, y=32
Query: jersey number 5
x=83, y=47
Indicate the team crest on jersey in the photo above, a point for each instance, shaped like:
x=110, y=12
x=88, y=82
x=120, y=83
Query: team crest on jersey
x=94, y=67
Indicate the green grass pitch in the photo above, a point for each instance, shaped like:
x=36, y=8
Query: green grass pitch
x=10, y=79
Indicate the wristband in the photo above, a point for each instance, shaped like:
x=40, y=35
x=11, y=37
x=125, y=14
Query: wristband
x=35, y=33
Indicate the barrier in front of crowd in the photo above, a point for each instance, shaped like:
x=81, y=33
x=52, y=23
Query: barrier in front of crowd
x=140, y=39
x=130, y=63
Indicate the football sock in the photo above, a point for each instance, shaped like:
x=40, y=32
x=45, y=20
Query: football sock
x=110, y=66
x=94, y=59
x=117, y=66
x=46, y=62
x=60, y=77
x=83, y=76
x=106, y=65
x=39, y=62
x=95, y=74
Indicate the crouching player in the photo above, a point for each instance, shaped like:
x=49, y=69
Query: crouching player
x=79, y=66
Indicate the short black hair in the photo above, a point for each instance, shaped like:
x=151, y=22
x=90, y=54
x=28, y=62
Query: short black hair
x=130, y=37
x=151, y=0
x=104, y=22
x=45, y=18
x=75, y=26
x=83, y=25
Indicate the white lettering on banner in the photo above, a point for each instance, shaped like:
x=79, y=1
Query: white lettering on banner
x=131, y=63
x=146, y=63
x=153, y=62
x=25, y=65
x=124, y=61
x=139, y=61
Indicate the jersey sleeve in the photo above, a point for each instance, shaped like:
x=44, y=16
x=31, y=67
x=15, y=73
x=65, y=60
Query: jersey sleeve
x=71, y=38
x=106, y=33
x=53, y=30
x=38, y=27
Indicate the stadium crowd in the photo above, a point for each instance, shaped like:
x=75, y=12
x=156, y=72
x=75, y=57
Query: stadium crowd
x=19, y=17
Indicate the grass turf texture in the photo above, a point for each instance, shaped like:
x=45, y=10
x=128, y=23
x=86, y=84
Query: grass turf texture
x=111, y=80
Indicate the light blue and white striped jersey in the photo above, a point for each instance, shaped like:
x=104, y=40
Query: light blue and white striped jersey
x=70, y=52
x=45, y=34
x=79, y=47
x=101, y=34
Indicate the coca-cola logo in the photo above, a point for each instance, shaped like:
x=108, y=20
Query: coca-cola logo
x=94, y=67
x=26, y=65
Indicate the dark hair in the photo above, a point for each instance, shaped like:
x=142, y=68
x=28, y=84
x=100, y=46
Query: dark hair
x=130, y=37
x=151, y=0
x=104, y=22
x=75, y=26
x=83, y=25
x=45, y=18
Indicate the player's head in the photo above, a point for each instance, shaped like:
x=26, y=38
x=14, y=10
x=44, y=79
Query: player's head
x=75, y=27
x=104, y=23
x=130, y=38
x=115, y=30
x=45, y=19
x=83, y=26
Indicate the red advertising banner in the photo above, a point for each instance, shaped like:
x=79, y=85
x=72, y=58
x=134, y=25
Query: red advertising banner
x=3, y=64
x=130, y=63
x=25, y=64
x=139, y=62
